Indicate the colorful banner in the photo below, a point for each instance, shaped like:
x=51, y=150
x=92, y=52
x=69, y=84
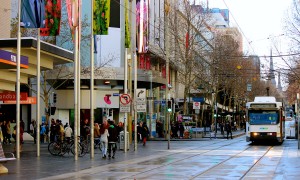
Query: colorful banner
x=127, y=27
x=53, y=17
x=73, y=15
x=32, y=14
x=101, y=17
x=142, y=25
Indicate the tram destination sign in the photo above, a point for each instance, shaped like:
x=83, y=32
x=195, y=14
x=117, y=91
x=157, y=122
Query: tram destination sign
x=263, y=105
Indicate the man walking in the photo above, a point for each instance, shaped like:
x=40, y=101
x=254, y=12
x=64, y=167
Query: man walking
x=112, y=139
x=228, y=129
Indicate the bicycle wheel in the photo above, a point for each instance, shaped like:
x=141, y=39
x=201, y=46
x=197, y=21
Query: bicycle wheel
x=81, y=151
x=100, y=146
x=54, y=148
x=86, y=146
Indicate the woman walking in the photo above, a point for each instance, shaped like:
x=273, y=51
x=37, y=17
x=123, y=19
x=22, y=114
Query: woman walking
x=104, y=138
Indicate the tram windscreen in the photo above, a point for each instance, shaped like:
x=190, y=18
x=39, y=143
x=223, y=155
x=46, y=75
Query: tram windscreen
x=263, y=117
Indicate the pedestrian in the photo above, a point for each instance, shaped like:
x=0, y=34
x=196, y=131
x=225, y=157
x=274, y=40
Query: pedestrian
x=8, y=132
x=112, y=139
x=4, y=132
x=144, y=132
x=1, y=134
x=181, y=129
x=85, y=129
x=42, y=132
x=228, y=129
x=68, y=133
x=104, y=138
x=139, y=132
x=21, y=136
x=96, y=131
x=52, y=131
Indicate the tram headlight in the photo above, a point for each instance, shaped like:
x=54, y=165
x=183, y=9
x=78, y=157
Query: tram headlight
x=255, y=134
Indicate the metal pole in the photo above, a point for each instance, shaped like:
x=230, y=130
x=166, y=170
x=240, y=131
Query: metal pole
x=216, y=116
x=75, y=94
x=167, y=8
x=92, y=82
x=18, y=83
x=297, y=119
x=38, y=77
x=134, y=58
x=124, y=58
x=150, y=105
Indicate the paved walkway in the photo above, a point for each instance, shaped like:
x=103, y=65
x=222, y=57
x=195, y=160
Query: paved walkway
x=31, y=167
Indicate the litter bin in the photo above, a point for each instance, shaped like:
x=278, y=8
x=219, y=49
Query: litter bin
x=122, y=140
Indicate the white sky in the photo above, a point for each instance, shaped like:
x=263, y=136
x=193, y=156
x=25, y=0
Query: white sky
x=261, y=23
x=259, y=20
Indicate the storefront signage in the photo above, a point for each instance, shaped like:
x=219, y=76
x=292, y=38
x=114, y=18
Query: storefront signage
x=8, y=59
x=11, y=96
x=29, y=100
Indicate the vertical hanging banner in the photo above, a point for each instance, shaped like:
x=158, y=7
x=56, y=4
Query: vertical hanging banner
x=101, y=17
x=142, y=25
x=32, y=14
x=73, y=14
x=53, y=17
x=127, y=27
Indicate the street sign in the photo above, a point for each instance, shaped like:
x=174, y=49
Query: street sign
x=141, y=107
x=141, y=95
x=125, y=102
x=249, y=87
x=125, y=99
x=196, y=105
x=125, y=109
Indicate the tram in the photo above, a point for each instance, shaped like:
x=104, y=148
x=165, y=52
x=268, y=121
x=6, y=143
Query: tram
x=265, y=120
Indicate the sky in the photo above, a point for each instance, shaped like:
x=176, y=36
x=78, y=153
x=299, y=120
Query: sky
x=260, y=21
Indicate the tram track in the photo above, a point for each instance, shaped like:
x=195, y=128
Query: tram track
x=232, y=157
x=247, y=172
x=191, y=156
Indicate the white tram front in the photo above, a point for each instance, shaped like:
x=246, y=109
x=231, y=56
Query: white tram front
x=265, y=120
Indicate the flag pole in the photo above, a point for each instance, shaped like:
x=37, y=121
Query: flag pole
x=18, y=83
x=38, y=76
x=92, y=82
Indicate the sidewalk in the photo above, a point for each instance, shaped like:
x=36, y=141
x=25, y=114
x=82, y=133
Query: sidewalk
x=236, y=133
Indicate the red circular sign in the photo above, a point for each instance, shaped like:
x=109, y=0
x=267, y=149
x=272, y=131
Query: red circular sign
x=197, y=104
x=125, y=99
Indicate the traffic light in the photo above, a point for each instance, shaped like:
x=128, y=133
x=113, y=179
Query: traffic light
x=54, y=98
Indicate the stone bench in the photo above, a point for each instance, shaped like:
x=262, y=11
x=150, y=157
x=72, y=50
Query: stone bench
x=3, y=158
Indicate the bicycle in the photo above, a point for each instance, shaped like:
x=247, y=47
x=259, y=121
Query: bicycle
x=87, y=144
x=61, y=147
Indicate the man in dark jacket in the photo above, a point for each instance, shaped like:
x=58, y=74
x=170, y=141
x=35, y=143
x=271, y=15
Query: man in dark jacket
x=112, y=139
x=228, y=129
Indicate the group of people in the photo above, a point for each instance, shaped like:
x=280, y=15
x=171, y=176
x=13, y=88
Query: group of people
x=108, y=132
x=175, y=127
x=6, y=133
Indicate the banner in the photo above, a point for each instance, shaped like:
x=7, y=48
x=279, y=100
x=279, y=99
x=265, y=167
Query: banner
x=73, y=15
x=101, y=17
x=32, y=14
x=142, y=25
x=127, y=27
x=53, y=17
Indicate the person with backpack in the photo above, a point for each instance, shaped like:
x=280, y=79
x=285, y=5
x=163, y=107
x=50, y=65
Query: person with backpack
x=112, y=139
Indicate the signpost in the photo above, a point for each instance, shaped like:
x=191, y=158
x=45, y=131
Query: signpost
x=125, y=102
x=141, y=100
